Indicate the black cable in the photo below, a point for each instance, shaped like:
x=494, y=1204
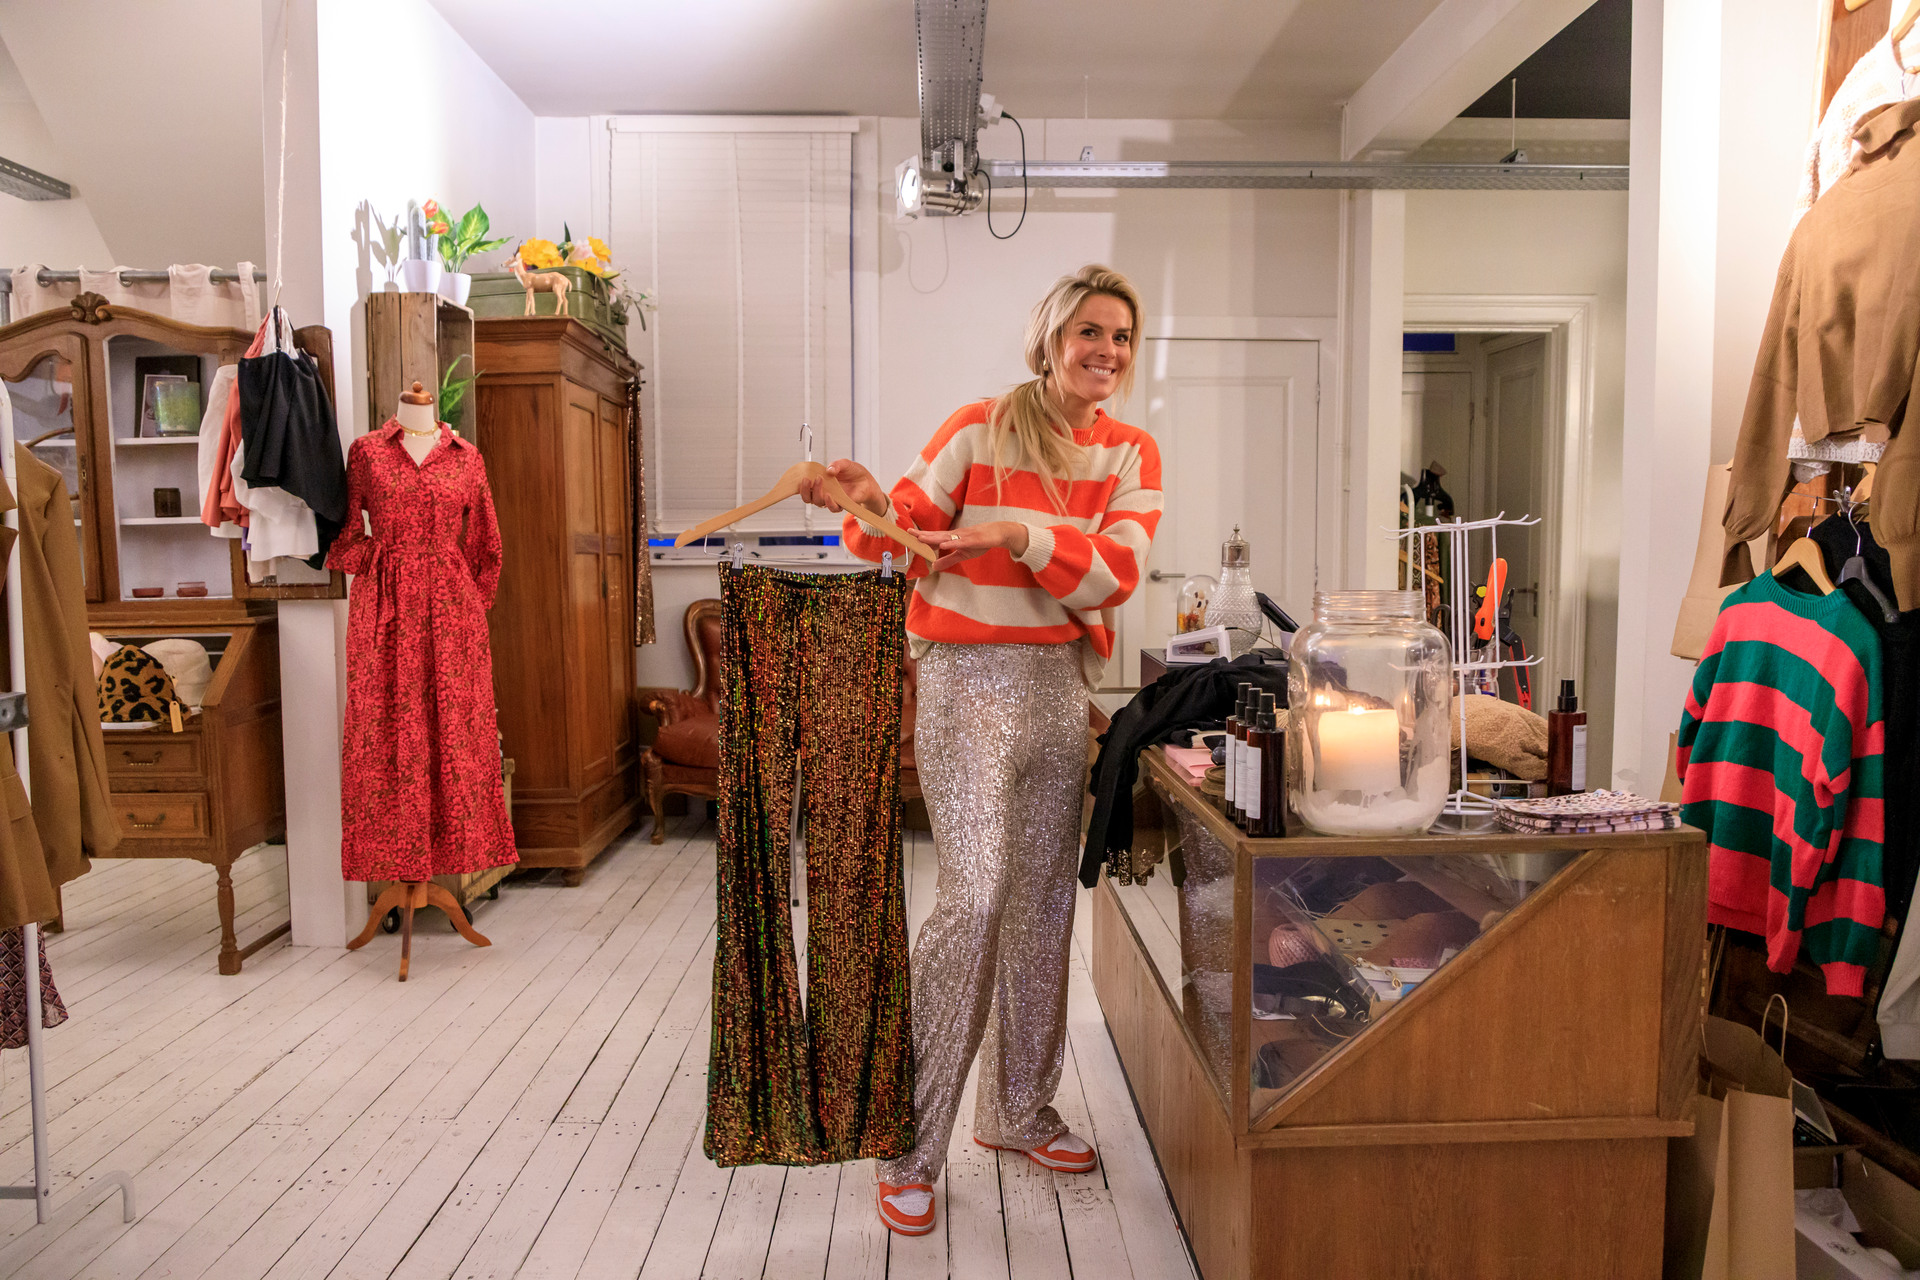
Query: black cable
x=1023, y=187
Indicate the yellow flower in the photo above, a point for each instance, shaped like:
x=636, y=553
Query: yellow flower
x=540, y=254
x=600, y=249
x=584, y=258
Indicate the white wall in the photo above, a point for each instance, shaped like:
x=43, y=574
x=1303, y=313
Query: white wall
x=58, y=233
x=1551, y=243
x=1723, y=99
x=941, y=305
x=447, y=129
x=156, y=111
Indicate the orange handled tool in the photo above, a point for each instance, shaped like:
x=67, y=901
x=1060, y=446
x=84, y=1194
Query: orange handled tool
x=1486, y=618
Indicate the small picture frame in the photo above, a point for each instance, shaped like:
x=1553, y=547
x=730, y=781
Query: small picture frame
x=166, y=503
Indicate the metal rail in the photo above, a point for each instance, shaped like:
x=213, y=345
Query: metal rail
x=1315, y=175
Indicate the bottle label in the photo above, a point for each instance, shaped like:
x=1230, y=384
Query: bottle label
x=1578, y=779
x=1251, y=804
x=1233, y=766
x=1248, y=784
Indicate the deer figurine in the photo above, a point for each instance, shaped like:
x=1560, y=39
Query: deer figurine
x=541, y=282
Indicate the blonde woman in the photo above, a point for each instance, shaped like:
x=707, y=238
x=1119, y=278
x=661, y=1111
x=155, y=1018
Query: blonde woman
x=1041, y=508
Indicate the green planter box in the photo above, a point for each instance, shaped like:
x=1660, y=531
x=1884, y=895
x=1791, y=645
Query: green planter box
x=497, y=293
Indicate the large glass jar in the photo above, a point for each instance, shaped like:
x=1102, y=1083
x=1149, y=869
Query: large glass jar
x=1367, y=730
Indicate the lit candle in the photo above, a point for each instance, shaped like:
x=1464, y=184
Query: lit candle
x=1359, y=750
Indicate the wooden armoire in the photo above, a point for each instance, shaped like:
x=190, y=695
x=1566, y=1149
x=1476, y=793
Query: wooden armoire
x=550, y=416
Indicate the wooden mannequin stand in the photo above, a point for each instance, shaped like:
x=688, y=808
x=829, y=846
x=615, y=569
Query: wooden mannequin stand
x=405, y=897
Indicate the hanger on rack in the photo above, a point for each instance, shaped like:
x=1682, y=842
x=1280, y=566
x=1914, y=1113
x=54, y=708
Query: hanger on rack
x=1804, y=555
x=789, y=486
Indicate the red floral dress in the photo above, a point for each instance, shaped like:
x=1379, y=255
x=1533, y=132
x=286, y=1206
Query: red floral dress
x=420, y=791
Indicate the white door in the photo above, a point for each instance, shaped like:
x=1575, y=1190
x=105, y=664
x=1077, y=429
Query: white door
x=1517, y=427
x=1436, y=424
x=1237, y=422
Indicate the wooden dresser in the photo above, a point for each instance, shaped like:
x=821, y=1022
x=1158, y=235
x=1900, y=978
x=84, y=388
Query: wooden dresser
x=550, y=416
x=214, y=790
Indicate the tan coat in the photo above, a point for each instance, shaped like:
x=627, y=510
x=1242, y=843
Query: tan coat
x=68, y=756
x=27, y=891
x=1842, y=346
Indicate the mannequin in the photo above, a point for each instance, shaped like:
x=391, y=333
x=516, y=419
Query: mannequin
x=419, y=434
x=419, y=430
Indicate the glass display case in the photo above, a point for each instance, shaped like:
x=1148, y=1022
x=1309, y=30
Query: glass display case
x=1317, y=1028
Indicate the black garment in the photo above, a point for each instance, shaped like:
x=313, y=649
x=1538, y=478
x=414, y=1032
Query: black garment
x=1184, y=699
x=1899, y=701
x=288, y=438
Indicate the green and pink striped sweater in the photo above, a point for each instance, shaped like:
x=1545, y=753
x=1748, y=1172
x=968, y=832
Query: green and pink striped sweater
x=1780, y=764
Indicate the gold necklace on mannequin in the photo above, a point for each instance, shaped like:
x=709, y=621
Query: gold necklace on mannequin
x=417, y=397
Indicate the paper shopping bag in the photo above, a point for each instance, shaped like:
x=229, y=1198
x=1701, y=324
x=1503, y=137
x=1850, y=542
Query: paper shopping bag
x=1730, y=1186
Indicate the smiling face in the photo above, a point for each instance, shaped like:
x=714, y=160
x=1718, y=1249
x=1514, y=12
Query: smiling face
x=1095, y=350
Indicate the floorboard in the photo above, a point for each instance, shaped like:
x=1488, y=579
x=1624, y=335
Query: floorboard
x=532, y=1110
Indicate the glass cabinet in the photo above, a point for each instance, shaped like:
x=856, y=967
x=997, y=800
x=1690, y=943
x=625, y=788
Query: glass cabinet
x=113, y=399
x=1384, y=1055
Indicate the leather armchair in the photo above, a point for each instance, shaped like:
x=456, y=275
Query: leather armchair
x=685, y=757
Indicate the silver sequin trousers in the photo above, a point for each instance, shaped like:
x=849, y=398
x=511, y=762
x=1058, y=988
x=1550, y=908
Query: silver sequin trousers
x=1001, y=747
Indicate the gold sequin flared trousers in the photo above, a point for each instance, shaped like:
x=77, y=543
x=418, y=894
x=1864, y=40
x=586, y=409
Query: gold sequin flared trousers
x=1001, y=747
x=811, y=675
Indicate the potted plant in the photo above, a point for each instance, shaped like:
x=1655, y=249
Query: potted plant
x=459, y=241
x=419, y=273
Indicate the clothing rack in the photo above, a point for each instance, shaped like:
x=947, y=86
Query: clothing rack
x=41, y=1190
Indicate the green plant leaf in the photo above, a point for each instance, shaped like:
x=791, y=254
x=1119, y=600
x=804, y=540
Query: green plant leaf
x=472, y=226
x=485, y=245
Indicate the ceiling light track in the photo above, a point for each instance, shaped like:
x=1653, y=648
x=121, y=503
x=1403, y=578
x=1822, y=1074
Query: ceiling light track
x=31, y=184
x=1287, y=174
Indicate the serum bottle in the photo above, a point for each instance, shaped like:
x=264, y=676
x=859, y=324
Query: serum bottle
x=1566, y=745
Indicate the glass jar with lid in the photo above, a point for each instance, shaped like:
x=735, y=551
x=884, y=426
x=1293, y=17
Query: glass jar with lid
x=1196, y=597
x=1367, y=732
x=1234, y=605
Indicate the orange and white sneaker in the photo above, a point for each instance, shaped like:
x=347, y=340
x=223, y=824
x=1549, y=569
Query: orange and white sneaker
x=1064, y=1153
x=906, y=1209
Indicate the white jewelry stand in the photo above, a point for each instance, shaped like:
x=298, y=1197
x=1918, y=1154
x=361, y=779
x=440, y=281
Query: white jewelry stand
x=1464, y=810
x=41, y=1192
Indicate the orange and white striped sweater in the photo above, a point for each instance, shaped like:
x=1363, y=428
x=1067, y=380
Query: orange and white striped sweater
x=1079, y=566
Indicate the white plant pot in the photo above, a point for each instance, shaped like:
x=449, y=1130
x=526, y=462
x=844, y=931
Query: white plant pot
x=455, y=285
x=420, y=275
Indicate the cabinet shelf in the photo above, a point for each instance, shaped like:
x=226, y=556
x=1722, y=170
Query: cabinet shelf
x=157, y=520
x=142, y=442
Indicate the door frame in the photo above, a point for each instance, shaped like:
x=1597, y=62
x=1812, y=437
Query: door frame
x=1567, y=322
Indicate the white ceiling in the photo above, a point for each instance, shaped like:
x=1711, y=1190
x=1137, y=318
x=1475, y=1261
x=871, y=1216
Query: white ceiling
x=1203, y=59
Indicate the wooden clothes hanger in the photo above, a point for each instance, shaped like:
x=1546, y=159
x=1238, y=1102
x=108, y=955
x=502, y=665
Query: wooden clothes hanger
x=1804, y=555
x=788, y=486
x=1905, y=24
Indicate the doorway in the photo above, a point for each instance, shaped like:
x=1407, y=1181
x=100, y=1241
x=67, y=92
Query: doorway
x=1237, y=424
x=1477, y=429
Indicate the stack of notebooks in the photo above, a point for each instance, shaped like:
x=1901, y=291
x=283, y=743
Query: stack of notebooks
x=1587, y=813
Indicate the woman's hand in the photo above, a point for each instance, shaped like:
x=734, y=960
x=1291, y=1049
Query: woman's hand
x=856, y=480
x=956, y=545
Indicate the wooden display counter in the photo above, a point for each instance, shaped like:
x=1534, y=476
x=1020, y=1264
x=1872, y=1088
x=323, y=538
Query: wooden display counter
x=1502, y=1112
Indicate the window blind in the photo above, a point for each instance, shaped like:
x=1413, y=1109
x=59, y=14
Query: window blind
x=743, y=239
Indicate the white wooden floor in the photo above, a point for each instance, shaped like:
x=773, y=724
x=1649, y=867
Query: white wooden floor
x=530, y=1109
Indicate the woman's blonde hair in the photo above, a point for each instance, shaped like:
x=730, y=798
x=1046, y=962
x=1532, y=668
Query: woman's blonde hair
x=1026, y=426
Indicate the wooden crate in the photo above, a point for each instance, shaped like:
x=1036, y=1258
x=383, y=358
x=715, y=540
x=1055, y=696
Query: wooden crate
x=415, y=337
